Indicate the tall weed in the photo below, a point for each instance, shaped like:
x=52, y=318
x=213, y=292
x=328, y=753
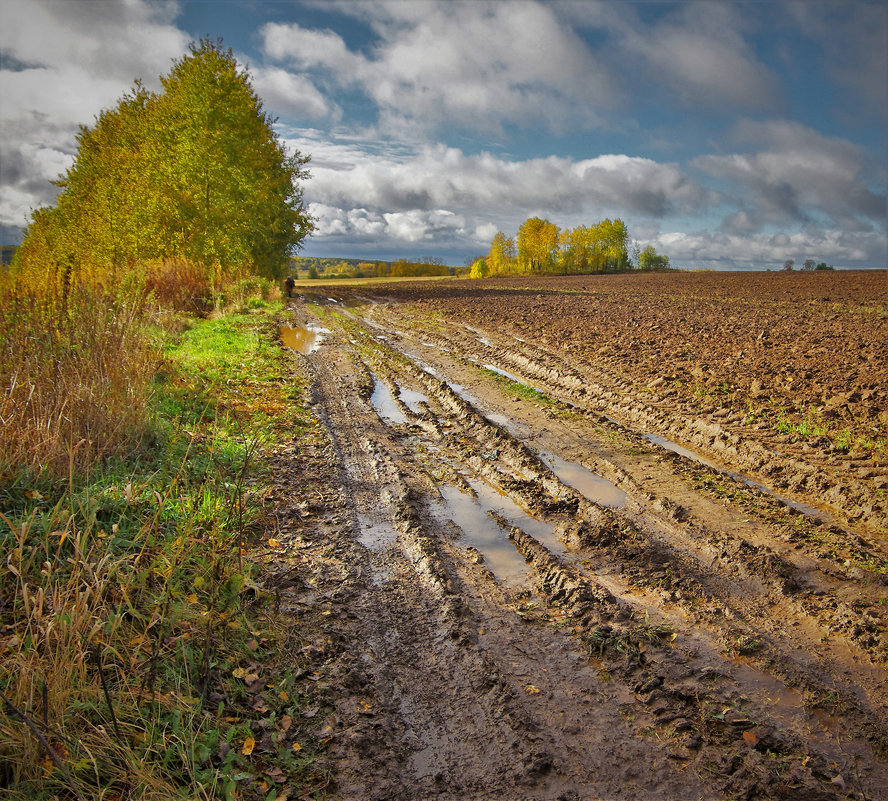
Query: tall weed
x=74, y=378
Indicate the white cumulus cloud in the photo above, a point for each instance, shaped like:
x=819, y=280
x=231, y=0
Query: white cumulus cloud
x=477, y=65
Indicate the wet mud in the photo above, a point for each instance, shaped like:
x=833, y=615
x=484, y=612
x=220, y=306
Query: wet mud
x=523, y=595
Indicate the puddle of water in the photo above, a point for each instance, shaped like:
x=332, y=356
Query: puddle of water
x=460, y=390
x=485, y=534
x=385, y=405
x=783, y=702
x=591, y=485
x=412, y=399
x=669, y=445
x=511, y=377
x=495, y=501
x=376, y=538
x=304, y=339
x=505, y=422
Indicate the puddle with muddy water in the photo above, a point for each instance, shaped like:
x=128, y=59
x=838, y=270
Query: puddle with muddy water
x=669, y=445
x=304, y=339
x=412, y=399
x=503, y=421
x=597, y=489
x=482, y=532
x=385, y=405
x=376, y=537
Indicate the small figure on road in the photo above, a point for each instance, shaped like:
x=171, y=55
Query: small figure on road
x=289, y=283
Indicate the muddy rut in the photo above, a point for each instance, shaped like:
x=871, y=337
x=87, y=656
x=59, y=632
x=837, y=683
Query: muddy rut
x=516, y=594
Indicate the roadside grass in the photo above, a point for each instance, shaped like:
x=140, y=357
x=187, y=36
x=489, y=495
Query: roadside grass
x=75, y=375
x=517, y=389
x=136, y=644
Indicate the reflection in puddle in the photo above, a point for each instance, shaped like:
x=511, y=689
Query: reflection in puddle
x=515, y=515
x=384, y=403
x=785, y=704
x=669, y=445
x=484, y=533
x=597, y=489
x=304, y=339
x=412, y=399
x=507, y=423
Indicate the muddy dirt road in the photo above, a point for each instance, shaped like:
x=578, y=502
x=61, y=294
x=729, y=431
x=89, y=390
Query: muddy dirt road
x=510, y=590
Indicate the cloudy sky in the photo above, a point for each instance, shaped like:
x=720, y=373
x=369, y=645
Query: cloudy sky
x=726, y=134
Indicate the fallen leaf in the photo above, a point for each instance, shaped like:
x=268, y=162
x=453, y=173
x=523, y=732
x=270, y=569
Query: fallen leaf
x=531, y=689
x=284, y=696
x=297, y=747
x=286, y=722
x=249, y=745
x=273, y=543
x=258, y=703
x=751, y=738
x=239, y=673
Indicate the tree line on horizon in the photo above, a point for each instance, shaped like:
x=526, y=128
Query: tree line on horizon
x=541, y=247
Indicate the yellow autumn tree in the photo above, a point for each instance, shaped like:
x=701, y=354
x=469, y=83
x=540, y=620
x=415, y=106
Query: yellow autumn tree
x=195, y=173
x=537, y=245
x=501, y=257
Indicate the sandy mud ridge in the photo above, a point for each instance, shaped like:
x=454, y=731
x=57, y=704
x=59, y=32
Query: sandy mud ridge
x=518, y=595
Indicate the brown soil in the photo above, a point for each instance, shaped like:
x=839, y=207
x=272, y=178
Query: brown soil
x=483, y=618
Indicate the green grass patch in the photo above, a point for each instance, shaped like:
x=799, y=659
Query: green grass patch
x=518, y=389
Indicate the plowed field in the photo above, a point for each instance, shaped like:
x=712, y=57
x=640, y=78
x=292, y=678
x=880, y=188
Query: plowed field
x=616, y=537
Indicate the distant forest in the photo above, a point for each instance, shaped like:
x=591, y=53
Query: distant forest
x=317, y=267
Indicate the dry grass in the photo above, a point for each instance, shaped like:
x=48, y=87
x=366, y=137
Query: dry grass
x=91, y=630
x=73, y=379
x=179, y=285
